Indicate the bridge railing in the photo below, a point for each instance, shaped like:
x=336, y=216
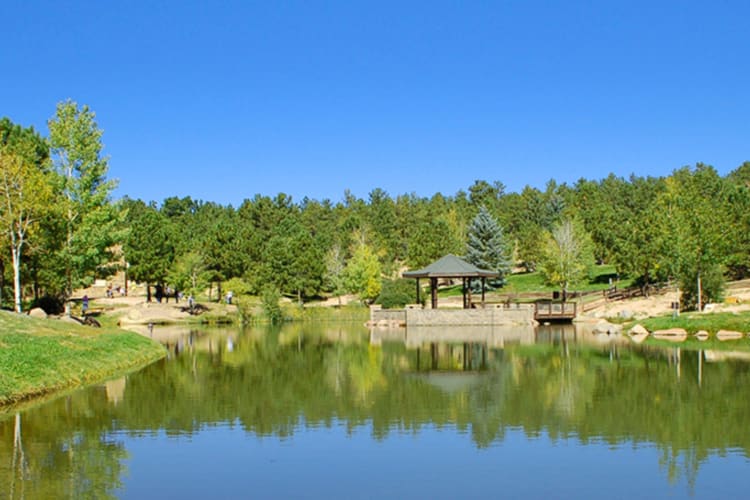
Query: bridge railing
x=555, y=310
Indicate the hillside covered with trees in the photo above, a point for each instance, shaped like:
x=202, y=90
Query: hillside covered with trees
x=60, y=228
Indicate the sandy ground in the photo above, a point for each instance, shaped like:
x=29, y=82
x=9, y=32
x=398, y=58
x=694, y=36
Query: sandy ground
x=136, y=314
x=737, y=299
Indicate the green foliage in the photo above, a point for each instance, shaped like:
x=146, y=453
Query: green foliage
x=292, y=260
x=25, y=194
x=238, y=286
x=188, y=273
x=711, y=287
x=568, y=256
x=335, y=266
x=148, y=249
x=397, y=293
x=90, y=224
x=270, y=298
x=362, y=275
x=692, y=223
x=486, y=247
x=699, y=229
x=431, y=240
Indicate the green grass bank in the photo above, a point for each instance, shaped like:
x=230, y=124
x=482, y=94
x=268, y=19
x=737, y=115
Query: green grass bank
x=39, y=357
x=694, y=322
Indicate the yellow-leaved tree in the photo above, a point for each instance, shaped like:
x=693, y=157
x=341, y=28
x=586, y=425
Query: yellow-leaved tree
x=26, y=194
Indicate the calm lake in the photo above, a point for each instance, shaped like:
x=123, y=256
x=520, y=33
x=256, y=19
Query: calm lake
x=337, y=411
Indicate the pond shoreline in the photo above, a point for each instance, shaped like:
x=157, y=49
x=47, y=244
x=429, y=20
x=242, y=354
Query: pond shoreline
x=41, y=357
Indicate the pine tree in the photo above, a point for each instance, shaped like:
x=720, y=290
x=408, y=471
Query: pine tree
x=487, y=248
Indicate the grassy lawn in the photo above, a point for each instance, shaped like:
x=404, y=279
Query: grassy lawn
x=39, y=356
x=694, y=322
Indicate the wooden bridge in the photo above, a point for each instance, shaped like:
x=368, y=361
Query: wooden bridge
x=555, y=311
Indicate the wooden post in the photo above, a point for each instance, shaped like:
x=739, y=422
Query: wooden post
x=433, y=292
x=484, y=281
x=418, y=301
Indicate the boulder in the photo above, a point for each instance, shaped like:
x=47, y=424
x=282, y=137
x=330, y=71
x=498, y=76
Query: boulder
x=671, y=334
x=638, y=330
x=702, y=335
x=638, y=334
x=38, y=312
x=605, y=327
x=729, y=335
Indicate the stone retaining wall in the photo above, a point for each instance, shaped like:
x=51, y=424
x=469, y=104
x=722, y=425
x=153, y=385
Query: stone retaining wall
x=516, y=314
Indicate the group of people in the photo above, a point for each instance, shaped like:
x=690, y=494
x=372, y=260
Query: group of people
x=120, y=290
x=166, y=292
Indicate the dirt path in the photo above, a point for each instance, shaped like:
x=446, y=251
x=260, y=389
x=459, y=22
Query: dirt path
x=737, y=299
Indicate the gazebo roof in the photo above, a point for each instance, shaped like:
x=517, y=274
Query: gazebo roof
x=450, y=266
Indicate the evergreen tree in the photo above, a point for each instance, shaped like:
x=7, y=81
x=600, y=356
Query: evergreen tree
x=487, y=248
x=148, y=249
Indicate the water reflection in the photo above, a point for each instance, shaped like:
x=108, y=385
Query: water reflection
x=561, y=382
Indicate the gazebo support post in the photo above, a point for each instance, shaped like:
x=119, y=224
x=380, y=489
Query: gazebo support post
x=418, y=298
x=433, y=292
x=484, y=281
x=468, y=289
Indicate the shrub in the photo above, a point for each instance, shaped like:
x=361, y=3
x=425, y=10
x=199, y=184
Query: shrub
x=397, y=293
x=237, y=286
x=712, y=288
x=269, y=298
x=49, y=304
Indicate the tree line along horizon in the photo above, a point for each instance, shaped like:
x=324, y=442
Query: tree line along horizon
x=61, y=229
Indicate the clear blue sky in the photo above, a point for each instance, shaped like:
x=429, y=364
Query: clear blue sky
x=222, y=100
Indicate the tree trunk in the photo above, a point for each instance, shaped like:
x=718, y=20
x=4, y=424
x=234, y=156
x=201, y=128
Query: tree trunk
x=2, y=281
x=36, y=285
x=700, y=299
x=16, y=253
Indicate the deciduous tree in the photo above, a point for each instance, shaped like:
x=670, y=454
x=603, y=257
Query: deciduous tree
x=362, y=275
x=91, y=225
x=567, y=255
x=25, y=194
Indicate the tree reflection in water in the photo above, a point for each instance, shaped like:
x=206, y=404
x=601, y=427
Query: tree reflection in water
x=559, y=383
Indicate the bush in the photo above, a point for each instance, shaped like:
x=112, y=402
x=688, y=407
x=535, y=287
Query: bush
x=269, y=298
x=712, y=287
x=49, y=304
x=237, y=286
x=397, y=293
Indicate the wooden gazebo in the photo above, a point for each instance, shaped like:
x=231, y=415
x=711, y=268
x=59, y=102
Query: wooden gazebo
x=452, y=267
